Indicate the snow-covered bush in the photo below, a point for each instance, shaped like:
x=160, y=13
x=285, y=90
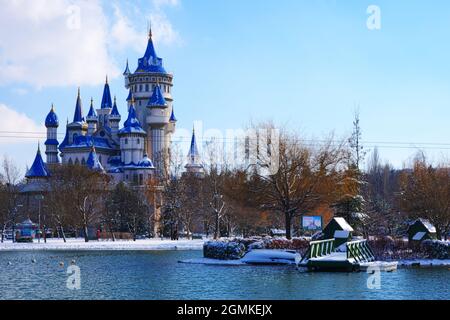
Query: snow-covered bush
x=435, y=249
x=236, y=248
x=223, y=250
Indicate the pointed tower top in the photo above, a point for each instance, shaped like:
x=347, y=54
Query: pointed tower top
x=106, y=98
x=91, y=116
x=38, y=169
x=115, y=115
x=132, y=124
x=157, y=98
x=78, y=115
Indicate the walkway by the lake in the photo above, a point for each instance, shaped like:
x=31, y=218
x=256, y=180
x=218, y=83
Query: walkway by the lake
x=80, y=244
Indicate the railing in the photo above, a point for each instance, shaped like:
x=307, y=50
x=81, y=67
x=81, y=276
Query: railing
x=360, y=251
x=320, y=248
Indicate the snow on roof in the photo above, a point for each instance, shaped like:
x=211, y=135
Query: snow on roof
x=419, y=235
x=341, y=234
x=343, y=224
x=427, y=225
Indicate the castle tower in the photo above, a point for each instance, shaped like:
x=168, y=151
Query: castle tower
x=194, y=165
x=114, y=120
x=158, y=120
x=51, y=144
x=149, y=74
x=78, y=126
x=92, y=119
x=132, y=139
x=105, y=107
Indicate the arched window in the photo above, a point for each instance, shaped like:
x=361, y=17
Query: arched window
x=70, y=161
x=77, y=161
x=83, y=162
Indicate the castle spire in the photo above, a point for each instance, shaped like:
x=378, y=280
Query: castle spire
x=106, y=99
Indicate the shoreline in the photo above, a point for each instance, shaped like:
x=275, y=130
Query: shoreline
x=79, y=244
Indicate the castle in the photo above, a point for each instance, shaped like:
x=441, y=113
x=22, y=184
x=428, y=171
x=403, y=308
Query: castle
x=132, y=153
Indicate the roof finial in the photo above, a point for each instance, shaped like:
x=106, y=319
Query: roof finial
x=106, y=79
x=149, y=27
x=115, y=99
x=53, y=108
x=78, y=91
x=39, y=147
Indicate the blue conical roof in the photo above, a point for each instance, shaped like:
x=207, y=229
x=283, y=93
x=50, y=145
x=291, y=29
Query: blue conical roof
x=172, y=117
x=150, y=62
x=78, y=115
x=115, y=111
x=127, y=70
x=52, y=119
x=106, y=99
x=146, y=162
x=130, y=95
x=132, y=124
x=193, y=151
x=157, y=98
x=38, y=169
x=92, y=115
x=65, y=142
x=93, y=162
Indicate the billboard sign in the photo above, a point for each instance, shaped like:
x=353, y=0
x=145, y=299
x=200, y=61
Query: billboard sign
x=312, y=223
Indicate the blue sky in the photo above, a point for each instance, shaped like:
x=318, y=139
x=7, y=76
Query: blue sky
x=305, y=64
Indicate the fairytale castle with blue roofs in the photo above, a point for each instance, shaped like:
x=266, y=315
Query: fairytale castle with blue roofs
x=132, y=153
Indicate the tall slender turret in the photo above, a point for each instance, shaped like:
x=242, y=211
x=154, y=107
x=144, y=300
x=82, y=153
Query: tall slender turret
x=51, y=144
x=105, y=107
x=114, y=120
x=194, y=161
x=92, y=119
x=158, y=119
x=78, y=127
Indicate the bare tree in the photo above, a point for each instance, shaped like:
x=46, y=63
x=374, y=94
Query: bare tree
x=81, y=192
x=304, y=180
x=9, y=180
x=425, y=193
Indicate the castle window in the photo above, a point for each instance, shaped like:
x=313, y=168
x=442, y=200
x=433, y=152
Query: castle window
x=70, y=161
x=141, y=179
x=83, y=162
x=146, y=87
x=126, y=141
x=77, y=161
x=140, y=87
x=138, y=141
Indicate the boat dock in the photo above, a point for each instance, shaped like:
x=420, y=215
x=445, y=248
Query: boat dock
x=349, y=257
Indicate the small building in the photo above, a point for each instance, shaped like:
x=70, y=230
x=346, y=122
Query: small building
x=26, y=231
x=420, y=230
x=338, y=229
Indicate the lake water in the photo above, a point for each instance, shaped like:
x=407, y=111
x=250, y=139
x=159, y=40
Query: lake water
x=158, y=275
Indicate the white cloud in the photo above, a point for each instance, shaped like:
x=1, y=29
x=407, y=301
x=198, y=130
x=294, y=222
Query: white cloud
x=53, y=43
x=73, y=42
x=125, y=34
x=16, y=127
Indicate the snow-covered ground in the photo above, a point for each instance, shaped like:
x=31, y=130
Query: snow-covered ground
x=79, y=244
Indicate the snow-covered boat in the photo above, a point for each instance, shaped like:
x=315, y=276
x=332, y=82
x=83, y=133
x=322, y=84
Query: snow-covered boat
x=271, y=257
